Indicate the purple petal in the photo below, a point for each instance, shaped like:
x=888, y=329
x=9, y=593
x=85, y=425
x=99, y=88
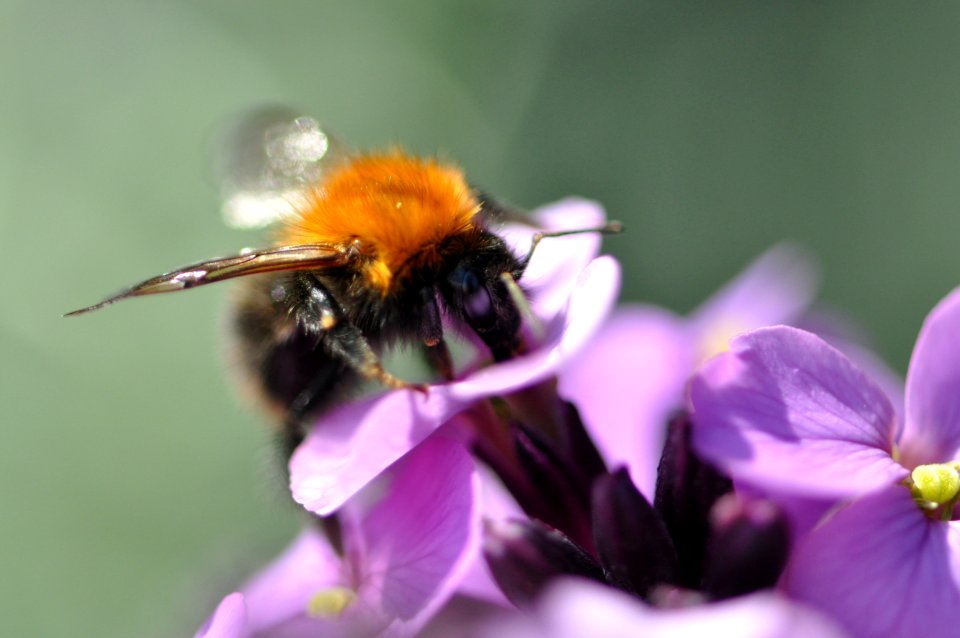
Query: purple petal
x=497, y=505
x=889, y=381
x=843, y=335
x=881, y=568
x=282, y=591
x=355, y=443
x=557, y=261
x=478, y=583
x=229, y=620
x=419, y=541
x=788, y=412
x=626, y=383
x=933, y=401
x=410, y=538
x=573, y=609
x=774, y=289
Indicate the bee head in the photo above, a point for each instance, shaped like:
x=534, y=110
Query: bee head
x=475, y=293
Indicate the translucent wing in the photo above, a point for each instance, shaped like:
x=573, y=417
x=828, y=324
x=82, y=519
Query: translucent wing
x=494, y=212
x=305, y=257
x=268, y=156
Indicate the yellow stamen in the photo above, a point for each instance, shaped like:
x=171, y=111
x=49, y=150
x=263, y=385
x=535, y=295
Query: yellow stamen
x=935, y=485
x=717, y=338
x=330, y=603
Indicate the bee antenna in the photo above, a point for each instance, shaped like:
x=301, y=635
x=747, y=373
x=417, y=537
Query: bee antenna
x=612, y=227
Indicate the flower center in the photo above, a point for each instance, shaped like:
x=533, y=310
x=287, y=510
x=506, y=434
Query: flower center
x=331, y=602
x=716, y=338
x=936, y=487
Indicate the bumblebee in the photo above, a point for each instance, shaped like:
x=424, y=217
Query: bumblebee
x=372, y=250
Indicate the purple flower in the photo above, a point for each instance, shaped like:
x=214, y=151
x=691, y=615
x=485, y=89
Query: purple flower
x=634, y=373
x=785, y=412
x=574, y=608
x=408, y=540
x=404, y=491
x=571, y=294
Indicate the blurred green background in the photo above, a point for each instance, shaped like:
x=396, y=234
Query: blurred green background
x=136, y=489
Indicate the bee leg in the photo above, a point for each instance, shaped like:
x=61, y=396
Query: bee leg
x=439, y=359
x=431, y=335
x=347, y=342
x=320, y=314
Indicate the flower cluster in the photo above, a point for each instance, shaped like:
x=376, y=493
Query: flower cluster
x=634, y=473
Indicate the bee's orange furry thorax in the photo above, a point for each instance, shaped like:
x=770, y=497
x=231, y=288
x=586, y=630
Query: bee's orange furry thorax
x=400, y=207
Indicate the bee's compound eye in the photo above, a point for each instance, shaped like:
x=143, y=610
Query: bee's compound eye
x=477, y=304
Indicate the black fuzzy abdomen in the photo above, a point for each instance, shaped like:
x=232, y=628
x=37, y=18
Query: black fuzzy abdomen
x=300, y=374
x=288, y=365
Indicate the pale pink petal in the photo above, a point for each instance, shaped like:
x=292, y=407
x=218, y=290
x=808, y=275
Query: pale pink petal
x=571, y=213
x=419, y=541
x=229, y=620
x=625, y=384
x=282, y=591
x=478, y=583
x=353, y=444
x=574, y=609
x=497, y=505
x=409, y=539
x=786, y=411
x=557, y=261
x=933, y=387
x=881, y=568
x=775, y=289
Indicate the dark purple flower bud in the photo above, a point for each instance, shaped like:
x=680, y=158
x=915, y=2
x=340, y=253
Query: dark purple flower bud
x=559, y=498
x=747, y=549
x=687, y=488
x=578, y=447
x=558, y=421
x=524, y=556
x=633, y=545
